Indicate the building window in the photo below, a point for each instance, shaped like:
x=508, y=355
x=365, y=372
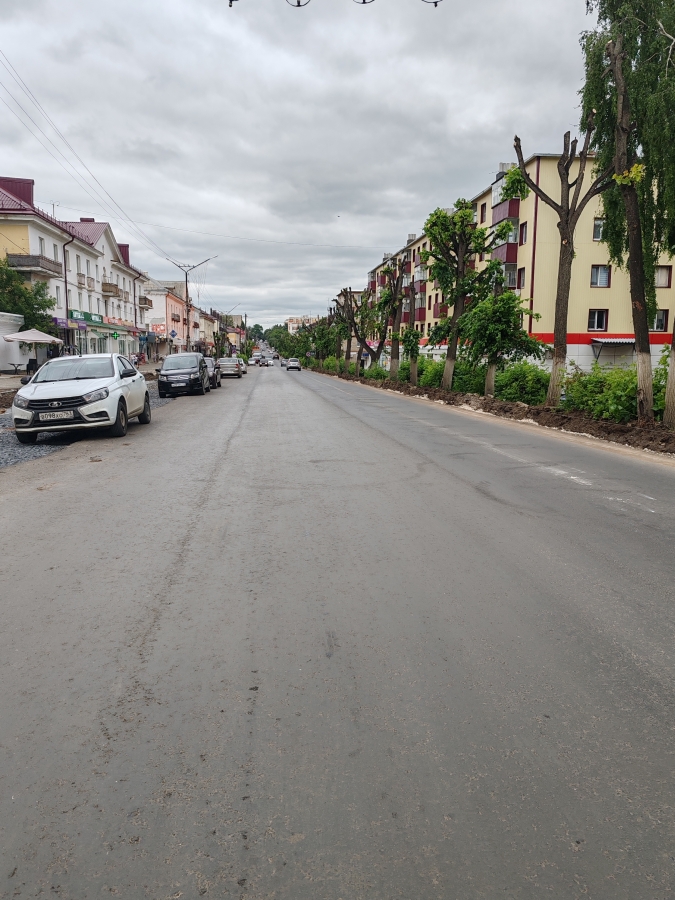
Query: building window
x=66, y=257
x=89, y=302
x=78, y=263
x=42, y=246
x=661, y=320
x=98, y=305
x=511, y=276
x=97, y=272
x=56, y=252
x=483, y=213
x=521, y=279
x=597, y=319
x=598, y=226
x=429, y=303
x=601, y=276
x=79, y=299
x=70, y=298
x=118, y=281
x=523, y=234
x=58, y=296
x=663, y=276
x=88, y=268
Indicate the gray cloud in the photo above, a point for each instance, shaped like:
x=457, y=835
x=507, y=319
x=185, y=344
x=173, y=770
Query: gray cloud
x=333, y=124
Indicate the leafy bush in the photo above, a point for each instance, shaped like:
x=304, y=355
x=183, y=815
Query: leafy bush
x=376, y=372
x=330, y=364
x=604, y=393
x=404, y=371
x=468, y=379
x=523, y=381
x=430, y=373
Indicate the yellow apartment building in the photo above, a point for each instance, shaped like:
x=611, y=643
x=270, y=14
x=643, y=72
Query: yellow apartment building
x=600, y=322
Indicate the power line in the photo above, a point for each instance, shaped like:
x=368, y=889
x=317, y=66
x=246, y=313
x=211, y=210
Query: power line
x=236, y=237
x=140, y=235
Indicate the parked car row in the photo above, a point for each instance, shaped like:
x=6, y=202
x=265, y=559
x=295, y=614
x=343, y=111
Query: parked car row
x=189, y=373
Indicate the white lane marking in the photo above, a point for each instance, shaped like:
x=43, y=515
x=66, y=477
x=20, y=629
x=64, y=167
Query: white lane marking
x=646, y=496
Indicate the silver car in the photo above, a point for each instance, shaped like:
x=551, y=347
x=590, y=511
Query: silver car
x=229, y=365
x=243, y=366
x=293, y=364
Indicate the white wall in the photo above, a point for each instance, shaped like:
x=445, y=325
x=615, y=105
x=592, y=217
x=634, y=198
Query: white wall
x=10, y=351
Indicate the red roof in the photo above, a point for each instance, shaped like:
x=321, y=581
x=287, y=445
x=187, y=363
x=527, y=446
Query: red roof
x=10, y=203
x=92, y=230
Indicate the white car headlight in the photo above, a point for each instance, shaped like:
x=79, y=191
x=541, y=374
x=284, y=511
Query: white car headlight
x=21, y=402
x=95, y=395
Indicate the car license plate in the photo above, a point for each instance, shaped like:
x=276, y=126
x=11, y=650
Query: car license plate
x=50, y=416
x=179, y=384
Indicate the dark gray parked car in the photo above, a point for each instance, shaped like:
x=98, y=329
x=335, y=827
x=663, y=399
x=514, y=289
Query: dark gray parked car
x=183, y=373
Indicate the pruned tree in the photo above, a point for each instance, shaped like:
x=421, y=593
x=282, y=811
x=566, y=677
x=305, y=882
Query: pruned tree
x=367, y=318
x=572, y=170
x=411, y=347
x=492, y=331
x=392, y=297
x=454, y=244
x=630, y=82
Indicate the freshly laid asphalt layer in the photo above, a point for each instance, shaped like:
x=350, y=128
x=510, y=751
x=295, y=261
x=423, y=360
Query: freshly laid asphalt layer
x=303, y=639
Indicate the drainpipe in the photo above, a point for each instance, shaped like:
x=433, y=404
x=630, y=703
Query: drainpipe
x=65, y=280
x=135, y=311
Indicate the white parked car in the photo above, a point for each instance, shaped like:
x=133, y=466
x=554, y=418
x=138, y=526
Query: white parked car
x=74, y=392
x=293, y=364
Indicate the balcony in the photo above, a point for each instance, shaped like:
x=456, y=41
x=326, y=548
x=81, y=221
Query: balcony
x=421, y=314
x=506, y=253
x=406, y=267
x=40, y=265
x=145, y=302
x=405, y=318
x=112, y=290
x=372, y=285
x=440, y=310
x=381, y=280
x=91, y=284
x=421, y=287
x=126, y=296
x=81, y=280
x=508, y=209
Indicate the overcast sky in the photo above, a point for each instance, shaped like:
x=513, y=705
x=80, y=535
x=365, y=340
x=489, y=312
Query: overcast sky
x=330, y=125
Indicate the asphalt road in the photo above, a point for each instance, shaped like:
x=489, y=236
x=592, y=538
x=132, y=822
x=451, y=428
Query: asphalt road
x=307, y=640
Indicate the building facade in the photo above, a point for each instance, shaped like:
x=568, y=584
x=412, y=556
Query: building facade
x=87, y=272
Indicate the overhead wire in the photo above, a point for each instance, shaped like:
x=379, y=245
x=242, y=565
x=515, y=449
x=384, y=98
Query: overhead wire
x=147, y=241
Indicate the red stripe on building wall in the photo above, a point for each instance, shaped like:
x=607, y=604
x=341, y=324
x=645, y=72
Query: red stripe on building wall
x=656, y=337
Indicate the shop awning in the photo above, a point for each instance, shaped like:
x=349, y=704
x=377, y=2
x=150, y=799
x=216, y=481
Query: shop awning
x=598, y=343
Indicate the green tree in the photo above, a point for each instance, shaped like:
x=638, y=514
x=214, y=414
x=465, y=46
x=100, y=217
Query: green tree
x=30, y=301
x=454, y=243
x=392, y=298
x=257, y=333
x=493, y=332
x=630, y=83
x=573, y=201
x=411, y=348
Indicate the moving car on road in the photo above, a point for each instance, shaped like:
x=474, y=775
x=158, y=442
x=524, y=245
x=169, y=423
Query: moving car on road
x=293, y=364
x=242, y=366
x=229, y=366
x=214, y=371
x=253, y=361
x=283, y=362
x=183, y=373
x=73, y=392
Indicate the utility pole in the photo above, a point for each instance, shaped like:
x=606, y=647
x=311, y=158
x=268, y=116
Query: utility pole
x=187, y=269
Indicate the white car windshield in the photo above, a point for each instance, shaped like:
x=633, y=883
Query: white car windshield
x=180, y=361
x=75, y=368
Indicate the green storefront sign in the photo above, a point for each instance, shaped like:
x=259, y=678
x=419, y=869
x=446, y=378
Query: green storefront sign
x=82, y=316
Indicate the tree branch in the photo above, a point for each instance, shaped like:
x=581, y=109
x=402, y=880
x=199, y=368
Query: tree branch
x=533, y=186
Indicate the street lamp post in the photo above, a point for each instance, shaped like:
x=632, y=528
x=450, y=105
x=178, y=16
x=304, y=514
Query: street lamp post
x=187, y=269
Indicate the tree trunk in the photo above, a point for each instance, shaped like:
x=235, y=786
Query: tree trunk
x=395, y=343
x=562, y=302
x=348, y=352
x=669, y=411
x=645, y=397
x=451, y=358
x=413, y=372
x=490, y=380
x=636, y=270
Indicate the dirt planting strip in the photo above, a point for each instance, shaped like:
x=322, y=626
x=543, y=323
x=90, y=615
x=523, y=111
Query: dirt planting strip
x=658, y=438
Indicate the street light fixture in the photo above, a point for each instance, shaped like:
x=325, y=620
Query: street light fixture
x=185, y=268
